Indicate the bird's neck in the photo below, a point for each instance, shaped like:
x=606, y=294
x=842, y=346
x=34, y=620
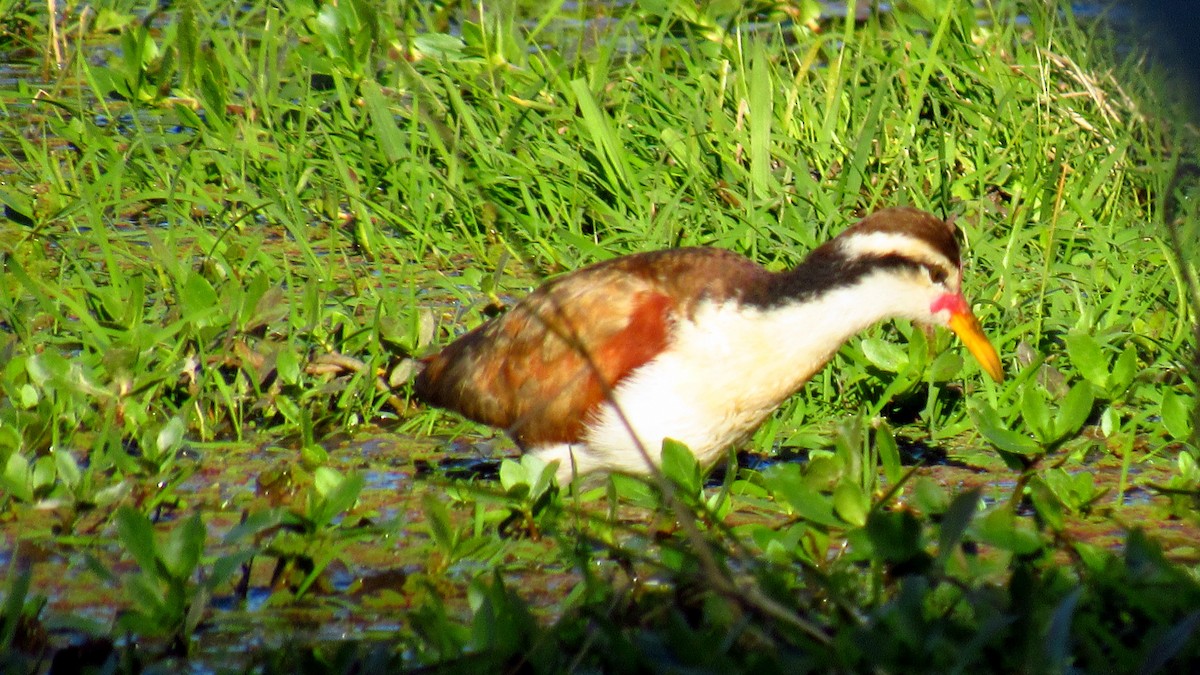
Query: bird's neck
x=792, y=339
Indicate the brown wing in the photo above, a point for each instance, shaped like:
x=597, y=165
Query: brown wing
x=538, y=370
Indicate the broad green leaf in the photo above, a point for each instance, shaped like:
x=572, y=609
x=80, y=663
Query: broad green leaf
x=929, y=497
x=1001, y=529
x=1075, y=409
x=137, y=536
x=1005, y=439
x=636, y=492
x=945, y=366
x=150, y=615
x=1189, y=468
x=885, y=355
x=44, y=473
x=170, y=436
x=47, y=367
x=27, y=397
x=513, y=475
x=851, y=504
x=10, y=440
x=17, y=477
x=198, y=300
x=1110, y=421
x=889, y=452
x=287, y=364
x=1123, y=372
x=255, y=523
x=1088, y=358
x=336, y=498
x=226, y=566
x=955, y=521
x=680, y=466
x=441, y=46
x=67, y=467
x=1047, y=501
x=180, y=551
x=539, y=473
x=437, y=519
x=789, y=487
x=1176, y=412
x=325, y=479
x=1035, y=411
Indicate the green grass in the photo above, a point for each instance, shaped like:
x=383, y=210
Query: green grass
x=226, y=230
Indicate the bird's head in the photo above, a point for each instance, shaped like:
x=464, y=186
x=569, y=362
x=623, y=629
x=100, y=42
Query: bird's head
x=920, y=256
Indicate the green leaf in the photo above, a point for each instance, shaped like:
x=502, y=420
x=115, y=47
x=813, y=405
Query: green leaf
x=788, y=486
x=150, y=615
x=226, y=566
x=170, y=436
x=889, y=453
x=254, y=524
x=441, y=46
x=1001, y=529
x=437, y=519
x=850, y=503
x=679, y=465
x=1110, y=421
x=542, y=475
x=181, y=549
x=1035, y=410
x=1004, y=439
x=18, y=208
x=388, y=136
x=955, y=520
x=513, y=475
x=326, y=479
x=27, y=397
x=945, y=367
x=47, y=368
x=43, y=474
x=198, y=300
x=929, y=497
x=1176, y=412
x=17, y=477
x=885, y=355
x=67, y=467
x=1048, y=503
x=1123, y=372
x=16, y=591
x=287, y=364
x=1088, y=358
x=1075, y=410
x=635, y=491
x=344, y=495
x=137, y=536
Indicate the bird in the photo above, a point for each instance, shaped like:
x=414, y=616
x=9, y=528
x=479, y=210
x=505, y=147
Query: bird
x=596, y=368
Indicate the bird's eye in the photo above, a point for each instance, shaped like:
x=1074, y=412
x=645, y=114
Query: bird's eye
x=937, y=275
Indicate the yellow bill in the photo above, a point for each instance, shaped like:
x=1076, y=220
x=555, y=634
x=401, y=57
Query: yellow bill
x=966, y=326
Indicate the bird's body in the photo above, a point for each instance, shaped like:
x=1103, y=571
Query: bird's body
x=597, y=367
